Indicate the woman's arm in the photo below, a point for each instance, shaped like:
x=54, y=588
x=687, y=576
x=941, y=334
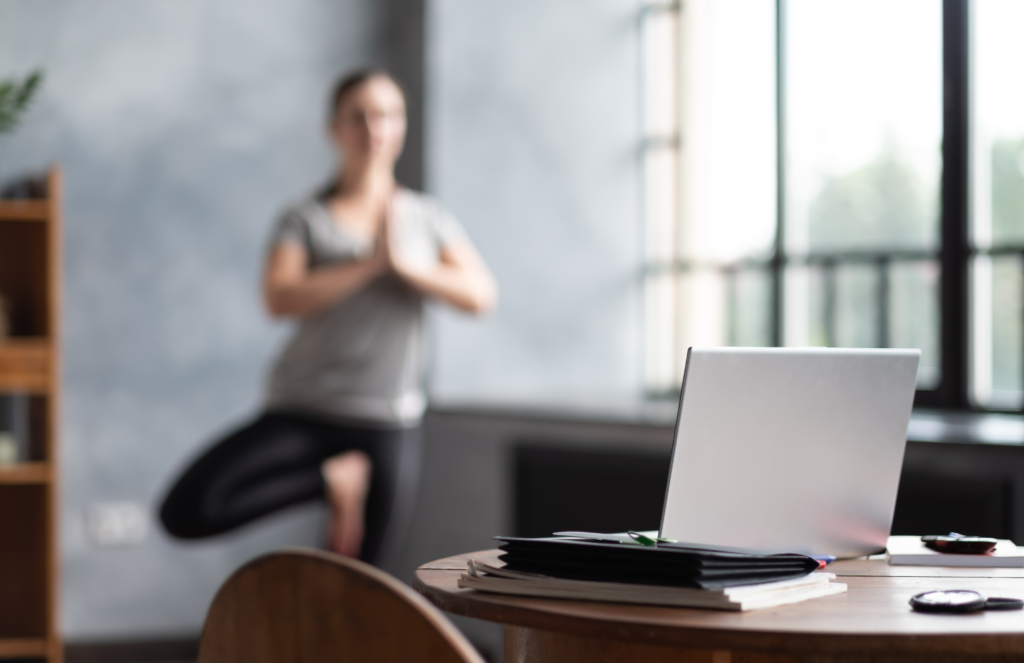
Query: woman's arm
x=290, y=289
x=461, y=278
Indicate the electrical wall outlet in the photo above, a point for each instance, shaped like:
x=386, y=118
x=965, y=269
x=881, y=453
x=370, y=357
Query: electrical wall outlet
x=110, y=524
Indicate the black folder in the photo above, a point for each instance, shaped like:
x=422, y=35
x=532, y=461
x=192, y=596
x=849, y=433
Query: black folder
x=672, y=564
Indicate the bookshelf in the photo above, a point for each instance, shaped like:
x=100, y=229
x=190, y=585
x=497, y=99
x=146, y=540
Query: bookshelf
x=30, y=260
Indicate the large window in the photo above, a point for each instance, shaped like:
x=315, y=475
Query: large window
x=839, y=173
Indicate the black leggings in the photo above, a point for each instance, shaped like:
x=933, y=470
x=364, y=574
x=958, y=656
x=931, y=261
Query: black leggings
x=274, y=462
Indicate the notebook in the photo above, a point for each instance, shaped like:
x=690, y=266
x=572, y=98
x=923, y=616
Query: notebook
x=910, y=551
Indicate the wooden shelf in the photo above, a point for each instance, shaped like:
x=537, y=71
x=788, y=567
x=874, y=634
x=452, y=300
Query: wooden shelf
x=24, y=210
x=24, y=344
x=25, y=365
x=30, y=280
x=23, y=647
x=25, y=473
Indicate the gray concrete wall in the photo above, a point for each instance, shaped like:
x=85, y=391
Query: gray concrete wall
x=183, y=127
x=532, y=139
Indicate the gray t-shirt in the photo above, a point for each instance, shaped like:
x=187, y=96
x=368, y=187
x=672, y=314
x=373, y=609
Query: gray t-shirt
x=361, y=358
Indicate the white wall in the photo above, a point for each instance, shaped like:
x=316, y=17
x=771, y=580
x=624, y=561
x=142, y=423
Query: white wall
x=532, y=137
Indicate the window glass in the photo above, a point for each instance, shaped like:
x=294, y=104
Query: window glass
x=749, y=293
x=914, y=315
x=998, y=123
x=997, y=306
x=660, y=331
x=864, y=124
x=661, y=131
x=997, y=223
x=1006, y=330
x=660, y=162
x=728, y=130
x=855, y=306
x=892, y=304
x=863, y=163
x=709, y=162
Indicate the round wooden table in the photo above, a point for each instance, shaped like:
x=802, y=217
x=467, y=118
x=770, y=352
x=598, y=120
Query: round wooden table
x=871, y=622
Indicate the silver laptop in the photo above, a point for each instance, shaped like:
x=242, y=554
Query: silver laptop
x=789, y=449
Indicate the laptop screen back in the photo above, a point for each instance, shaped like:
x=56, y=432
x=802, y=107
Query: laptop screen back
x=790, y=449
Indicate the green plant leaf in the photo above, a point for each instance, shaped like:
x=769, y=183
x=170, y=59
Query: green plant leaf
x=15, y=99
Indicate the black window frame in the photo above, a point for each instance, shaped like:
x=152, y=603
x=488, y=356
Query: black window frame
x=953, y=255
x=955, y=212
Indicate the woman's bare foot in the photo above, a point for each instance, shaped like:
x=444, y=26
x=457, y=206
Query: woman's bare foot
x=348, y=479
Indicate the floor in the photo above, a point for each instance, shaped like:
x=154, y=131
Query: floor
x=142, y=651
x=156, y=651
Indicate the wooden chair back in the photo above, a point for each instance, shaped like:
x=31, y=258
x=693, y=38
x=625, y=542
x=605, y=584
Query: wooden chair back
x=308, y=606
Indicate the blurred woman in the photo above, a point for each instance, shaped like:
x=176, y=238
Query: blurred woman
x=353, y=265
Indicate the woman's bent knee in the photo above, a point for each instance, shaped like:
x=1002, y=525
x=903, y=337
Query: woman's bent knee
x=183, y=517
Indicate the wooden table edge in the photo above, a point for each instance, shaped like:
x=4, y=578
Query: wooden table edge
x=703, y=638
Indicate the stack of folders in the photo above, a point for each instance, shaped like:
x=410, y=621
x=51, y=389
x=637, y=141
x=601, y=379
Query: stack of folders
x=609, y=567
